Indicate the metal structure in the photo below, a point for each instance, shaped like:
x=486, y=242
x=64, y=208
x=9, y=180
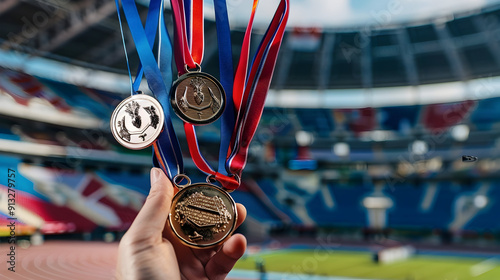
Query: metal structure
x=460, y=47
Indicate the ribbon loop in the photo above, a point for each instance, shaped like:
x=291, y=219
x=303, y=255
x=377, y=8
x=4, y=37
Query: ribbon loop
x=197, y=68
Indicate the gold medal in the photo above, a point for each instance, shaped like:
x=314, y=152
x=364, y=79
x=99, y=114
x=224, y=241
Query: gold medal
x=197, y=98
x=202, y=215
x=137, y=121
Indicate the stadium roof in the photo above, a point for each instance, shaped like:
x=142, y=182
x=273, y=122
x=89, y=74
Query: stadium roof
x=351, y=13
x=459, y=47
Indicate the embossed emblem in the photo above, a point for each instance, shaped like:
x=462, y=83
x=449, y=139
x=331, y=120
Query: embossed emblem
x=201, y=212
x=202, y=215
x=137, y=121
x=197, y=98
x=197, y=84
x=132, y=109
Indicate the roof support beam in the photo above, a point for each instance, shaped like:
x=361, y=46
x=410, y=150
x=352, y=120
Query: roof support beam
x=326, y=58
x=60, y=24
x=61, y=7
x=489, y=31
x=450, y=51
x=407, y=56
x=78, y=21
x=109, y=51
x=366, y=63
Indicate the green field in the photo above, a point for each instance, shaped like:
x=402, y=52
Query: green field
x=360, y=265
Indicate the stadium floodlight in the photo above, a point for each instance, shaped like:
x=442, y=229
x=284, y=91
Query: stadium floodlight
x=480, y=201
x=377, y=205
x=381, y=135
x=419, y=147
x=341, y=149
x=304, y=138
x=377, y=202
x=434, y=164
x=460, y=132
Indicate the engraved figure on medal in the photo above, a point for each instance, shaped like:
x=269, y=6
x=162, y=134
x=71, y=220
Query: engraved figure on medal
x=197, y=98
x=137, y=121
x=202, y=215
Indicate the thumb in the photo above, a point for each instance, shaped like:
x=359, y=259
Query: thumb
x=154, y=213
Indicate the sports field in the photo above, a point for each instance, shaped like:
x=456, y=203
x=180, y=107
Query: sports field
x=360, y=265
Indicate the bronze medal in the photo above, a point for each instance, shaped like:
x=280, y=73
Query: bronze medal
x=197, y=98
x=202, y=215
x=137, y=121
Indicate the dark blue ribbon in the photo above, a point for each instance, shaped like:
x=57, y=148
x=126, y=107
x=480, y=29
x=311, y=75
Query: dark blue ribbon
x=226, y=78
x=168, y=145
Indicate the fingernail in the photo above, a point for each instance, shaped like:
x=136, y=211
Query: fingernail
x=155, y=175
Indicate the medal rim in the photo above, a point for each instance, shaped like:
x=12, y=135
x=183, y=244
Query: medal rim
x=180, y=114
x=203, y=246
x=114, y=115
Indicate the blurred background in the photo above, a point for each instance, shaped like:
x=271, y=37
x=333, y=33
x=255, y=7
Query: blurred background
x=377, y=156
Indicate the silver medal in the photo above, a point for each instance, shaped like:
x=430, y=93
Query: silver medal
x=137, y=121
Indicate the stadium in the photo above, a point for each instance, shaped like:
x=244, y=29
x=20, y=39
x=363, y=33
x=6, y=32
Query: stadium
x=376, y=156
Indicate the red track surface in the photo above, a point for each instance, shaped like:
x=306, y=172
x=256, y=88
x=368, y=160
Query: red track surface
x=61, y=260
x=58, y=260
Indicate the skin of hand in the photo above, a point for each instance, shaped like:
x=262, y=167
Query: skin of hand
x=150, y=250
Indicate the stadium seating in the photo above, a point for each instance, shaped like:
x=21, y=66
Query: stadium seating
x=408, y=212
x=256, y=209
x=486, y=219
x=400, y=121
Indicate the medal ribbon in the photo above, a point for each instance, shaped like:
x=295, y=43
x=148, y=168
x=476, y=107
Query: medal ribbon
x=153, y=14
x=167, y=153
x=189, y=54
x=226, y=79
x=188, y=51
x=235, y=136
x=250, y=92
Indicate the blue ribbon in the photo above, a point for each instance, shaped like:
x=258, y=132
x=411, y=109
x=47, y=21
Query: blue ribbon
x=168, y=145
x=151, y=29
x=226, y=79
x=125, y=47
x=187, y=8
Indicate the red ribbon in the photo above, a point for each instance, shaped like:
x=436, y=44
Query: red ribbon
x=250, y=87
x=251, y=100
x=186, y=55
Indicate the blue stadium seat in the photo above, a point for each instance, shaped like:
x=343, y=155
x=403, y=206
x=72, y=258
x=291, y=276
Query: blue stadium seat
x=487, y=218
x=407, y=213
x=255, y=208
x=347, y=210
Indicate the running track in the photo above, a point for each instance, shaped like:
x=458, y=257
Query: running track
x=75, y=260
x=61, y=260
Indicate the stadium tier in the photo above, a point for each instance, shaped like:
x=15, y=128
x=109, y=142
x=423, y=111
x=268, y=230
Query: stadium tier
x=81, y=201
x=398, y=121
x=295, y=204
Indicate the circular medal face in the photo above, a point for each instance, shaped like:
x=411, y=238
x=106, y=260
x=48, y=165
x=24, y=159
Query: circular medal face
x=202, y=215
x=197, y=98
x=137, y=121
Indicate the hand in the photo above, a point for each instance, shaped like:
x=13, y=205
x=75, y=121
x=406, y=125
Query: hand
x=150, y=250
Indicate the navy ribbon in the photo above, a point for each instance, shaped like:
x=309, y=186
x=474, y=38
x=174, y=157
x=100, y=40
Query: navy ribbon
x=226, y=79
x=166, y=149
